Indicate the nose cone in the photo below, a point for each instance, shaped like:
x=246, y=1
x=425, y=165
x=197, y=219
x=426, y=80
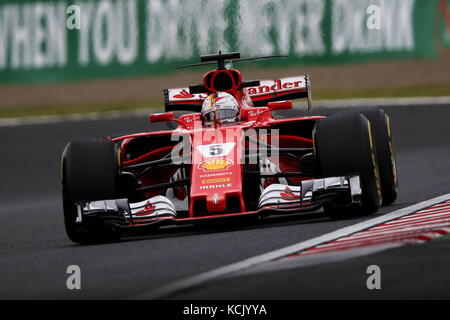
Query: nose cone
x=216, y=171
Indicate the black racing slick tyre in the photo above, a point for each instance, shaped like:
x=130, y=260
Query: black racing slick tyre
x=343, y=145
x=89, y=172
x=382, y=136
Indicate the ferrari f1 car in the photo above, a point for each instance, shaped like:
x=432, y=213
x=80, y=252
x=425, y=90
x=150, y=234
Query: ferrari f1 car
x=229, y=156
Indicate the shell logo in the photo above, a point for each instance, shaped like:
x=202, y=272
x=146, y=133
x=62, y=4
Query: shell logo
x=215, y=164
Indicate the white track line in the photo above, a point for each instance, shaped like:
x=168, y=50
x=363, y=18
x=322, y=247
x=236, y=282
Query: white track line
x=111, y=115
x=49, y=119
x=201, y=278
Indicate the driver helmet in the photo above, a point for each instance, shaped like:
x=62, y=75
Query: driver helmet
x=221, y=107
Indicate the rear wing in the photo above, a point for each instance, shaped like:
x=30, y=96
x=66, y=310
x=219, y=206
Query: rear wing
x=267, y=91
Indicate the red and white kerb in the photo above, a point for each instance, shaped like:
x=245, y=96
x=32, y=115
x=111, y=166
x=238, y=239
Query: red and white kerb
x=419, y=227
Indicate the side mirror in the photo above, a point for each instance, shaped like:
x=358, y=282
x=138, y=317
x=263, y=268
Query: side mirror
x=280, y=105
x=162, y=117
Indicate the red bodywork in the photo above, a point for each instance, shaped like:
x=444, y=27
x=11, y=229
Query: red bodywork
x=216, y=178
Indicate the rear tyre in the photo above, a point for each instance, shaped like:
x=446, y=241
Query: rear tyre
x=343, y=145
x=381, y=132
x=89, y=173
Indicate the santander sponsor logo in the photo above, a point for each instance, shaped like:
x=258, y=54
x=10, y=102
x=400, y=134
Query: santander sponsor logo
x=289, y=195
x=183, y=95
x=148, y=208
x=266, y=87
x=270, y=86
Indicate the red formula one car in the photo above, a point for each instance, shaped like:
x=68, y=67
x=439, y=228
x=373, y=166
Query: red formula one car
x=230, y=157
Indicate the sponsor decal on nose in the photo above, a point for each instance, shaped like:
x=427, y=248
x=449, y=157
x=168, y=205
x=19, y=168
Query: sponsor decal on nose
x=215, y=164
x=207, y=181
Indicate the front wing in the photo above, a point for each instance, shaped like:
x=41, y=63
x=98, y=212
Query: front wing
x=275, y=199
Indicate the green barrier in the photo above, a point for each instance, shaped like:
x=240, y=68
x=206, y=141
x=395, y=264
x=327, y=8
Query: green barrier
x=123, y=38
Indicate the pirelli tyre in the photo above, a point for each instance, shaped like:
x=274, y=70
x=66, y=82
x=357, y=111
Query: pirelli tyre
x=344, y=145
x=89, y=173
x=382, y=136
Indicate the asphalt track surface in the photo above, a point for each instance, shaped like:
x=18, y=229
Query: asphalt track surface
x=35, y=252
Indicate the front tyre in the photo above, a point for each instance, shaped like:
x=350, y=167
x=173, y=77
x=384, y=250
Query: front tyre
x=89, y=173
x=343, y=145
